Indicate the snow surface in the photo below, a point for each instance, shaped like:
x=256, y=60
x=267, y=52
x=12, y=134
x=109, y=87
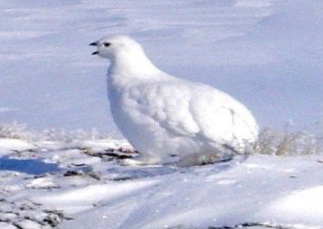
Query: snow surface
x=266, y=53
x=88, y=188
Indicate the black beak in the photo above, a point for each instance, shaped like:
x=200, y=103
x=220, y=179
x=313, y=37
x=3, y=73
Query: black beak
x=94, y=44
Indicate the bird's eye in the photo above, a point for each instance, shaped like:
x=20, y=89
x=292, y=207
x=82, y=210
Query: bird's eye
x=106, y=44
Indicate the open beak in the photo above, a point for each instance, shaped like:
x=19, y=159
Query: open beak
x=94, y=44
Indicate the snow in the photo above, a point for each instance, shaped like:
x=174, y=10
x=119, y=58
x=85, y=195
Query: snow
x=266, y=53
x=309, y=200
x=15, y=144
x=94, y=191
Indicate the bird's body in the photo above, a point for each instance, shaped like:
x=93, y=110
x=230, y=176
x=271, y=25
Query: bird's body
x=163, y=116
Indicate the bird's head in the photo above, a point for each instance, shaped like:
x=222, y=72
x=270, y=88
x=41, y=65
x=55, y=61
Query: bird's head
x=125, y=55
x=114, y=46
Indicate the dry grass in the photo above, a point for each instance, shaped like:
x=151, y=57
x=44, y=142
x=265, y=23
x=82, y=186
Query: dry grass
x=270, y=141
x=287, y=143
x=13, y=130
x=19, y=131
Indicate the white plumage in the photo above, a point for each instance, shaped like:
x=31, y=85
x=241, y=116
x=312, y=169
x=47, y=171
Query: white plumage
x=163, y=116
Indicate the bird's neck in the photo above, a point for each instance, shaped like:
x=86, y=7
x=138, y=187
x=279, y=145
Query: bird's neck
x=133, y=66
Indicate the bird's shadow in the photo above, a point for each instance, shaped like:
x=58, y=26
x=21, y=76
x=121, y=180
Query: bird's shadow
x=122, y=173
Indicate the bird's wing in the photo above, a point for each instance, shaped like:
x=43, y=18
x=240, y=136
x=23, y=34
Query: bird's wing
x=220, y=117
x=166, y=104
x=193, y=110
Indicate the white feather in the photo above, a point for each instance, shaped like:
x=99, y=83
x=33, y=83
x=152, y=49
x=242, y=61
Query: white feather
x=163, y=116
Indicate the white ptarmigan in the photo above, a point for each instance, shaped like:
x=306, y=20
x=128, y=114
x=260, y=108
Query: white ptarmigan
x=164, y=117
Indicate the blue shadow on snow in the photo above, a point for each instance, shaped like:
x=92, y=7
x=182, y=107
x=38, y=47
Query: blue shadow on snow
x=29, y=166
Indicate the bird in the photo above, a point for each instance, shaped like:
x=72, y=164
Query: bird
x=168, y=119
